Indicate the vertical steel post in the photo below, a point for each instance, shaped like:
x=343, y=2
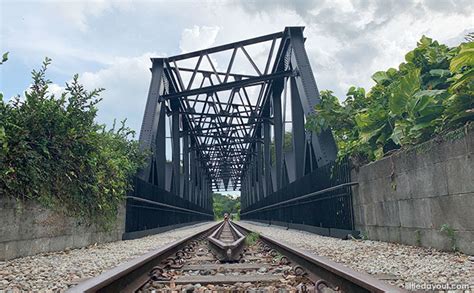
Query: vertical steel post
x=323, y=144
x=259, y=164
x=253, y=168
x=299, y=137
x=199, y=184
x=186, y=194
x=192, y=167
x=152, y=133
x=176, y=158
x=266, y=152
x=278, y=135
x=243, y=195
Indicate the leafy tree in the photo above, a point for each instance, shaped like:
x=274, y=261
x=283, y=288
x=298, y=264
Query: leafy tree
x=52, y=151
x=429, y=94
x=287, y=145
x=225, y=204
x=4, y=58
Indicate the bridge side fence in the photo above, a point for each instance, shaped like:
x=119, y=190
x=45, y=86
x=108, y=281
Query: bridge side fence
x=319, y=202
x=151, y=210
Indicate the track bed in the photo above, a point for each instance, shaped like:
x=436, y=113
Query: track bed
x=228, y=258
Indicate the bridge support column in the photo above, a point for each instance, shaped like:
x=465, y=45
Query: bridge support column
x=192, y=171
x=266, y=151
x=175, y=141
x=252, y=175
x=259, y=164
x=278, y=135
x=323, y=144
x=299, y=137
x=152, y=133
x=198, y=184
x=243, y=198
x=246, y=191
x=186, y=193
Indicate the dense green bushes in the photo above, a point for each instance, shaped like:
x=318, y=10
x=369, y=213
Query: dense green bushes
x=225, y=204
x=52, y=151
x=429, y=94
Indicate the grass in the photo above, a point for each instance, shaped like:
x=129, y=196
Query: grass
x=252, y=238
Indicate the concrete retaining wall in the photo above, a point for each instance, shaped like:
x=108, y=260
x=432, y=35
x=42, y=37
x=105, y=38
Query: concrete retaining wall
x=29, y=229
x=408, y=196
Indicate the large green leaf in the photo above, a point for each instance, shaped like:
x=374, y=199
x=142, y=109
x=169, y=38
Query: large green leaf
x=397, y=134
x=403, y=91
x=463, y=79
x=4, y=58
x=465, y=57
x=440, y=72
x=380, y=77
x=407, y=105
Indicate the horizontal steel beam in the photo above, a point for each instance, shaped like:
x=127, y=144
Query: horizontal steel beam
x=221, y=103
x=228, y=85
x=214, y=73
x=226, y=47
x=215, y=115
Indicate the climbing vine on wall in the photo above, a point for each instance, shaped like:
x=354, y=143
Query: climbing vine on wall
x=429, y=94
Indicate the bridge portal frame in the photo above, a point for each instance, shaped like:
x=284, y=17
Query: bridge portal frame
x=236, y=142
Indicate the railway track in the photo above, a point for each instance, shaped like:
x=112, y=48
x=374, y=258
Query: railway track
x=229, y=258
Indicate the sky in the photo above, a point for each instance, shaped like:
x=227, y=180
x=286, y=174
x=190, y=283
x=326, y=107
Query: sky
x=109, y=43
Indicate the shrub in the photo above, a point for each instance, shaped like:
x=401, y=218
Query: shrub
x=52, y=151
x=429, y=94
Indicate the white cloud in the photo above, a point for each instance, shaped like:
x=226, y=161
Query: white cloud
x=126, y=84
x=78, y=12
x=56, y=89
x=347, y=41
x=197, y=37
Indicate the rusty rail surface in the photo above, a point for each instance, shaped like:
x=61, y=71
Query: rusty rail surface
x=130, y=276
x=227, y=242
x=321, y=268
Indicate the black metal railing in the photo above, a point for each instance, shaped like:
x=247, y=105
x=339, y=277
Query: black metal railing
x=150, y=207
x=321, y=199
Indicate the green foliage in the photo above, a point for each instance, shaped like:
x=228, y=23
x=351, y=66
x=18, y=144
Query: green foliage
x=451, y=233
x=252, y=238
x=4, y=58
x=363, y=235
x=52, y=151
x=429, y=94
x=287, y=145
x=225, y=204
x=418, y=237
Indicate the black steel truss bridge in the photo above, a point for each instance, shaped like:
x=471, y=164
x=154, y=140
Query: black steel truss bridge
x=232, y=117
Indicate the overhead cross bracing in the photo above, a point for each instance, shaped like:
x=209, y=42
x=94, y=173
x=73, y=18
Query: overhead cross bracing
x=222, y=103
x=221, y=108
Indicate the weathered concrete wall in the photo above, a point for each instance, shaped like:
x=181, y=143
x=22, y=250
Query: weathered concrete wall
x=29, y=229
x=408, y=196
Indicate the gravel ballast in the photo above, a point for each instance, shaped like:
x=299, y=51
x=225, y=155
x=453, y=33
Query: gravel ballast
x=57, y=271
x=397, y=264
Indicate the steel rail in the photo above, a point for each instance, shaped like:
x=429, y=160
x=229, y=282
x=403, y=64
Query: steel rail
x=319, y=267
x=130, y=276
x=227, y=251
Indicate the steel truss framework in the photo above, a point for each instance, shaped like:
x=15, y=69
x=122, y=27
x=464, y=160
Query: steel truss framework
x=226, y=124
